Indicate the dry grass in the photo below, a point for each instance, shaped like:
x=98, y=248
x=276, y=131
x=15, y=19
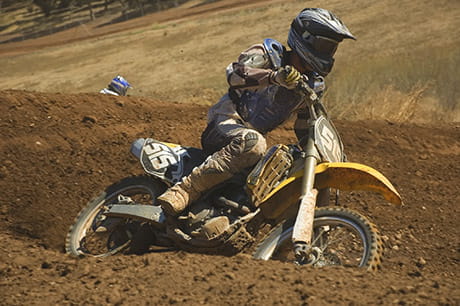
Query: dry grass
x=422, y=86
x=403, y=66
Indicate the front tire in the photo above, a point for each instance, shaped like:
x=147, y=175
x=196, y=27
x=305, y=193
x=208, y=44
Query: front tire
x=94, y=234
x=344, y=237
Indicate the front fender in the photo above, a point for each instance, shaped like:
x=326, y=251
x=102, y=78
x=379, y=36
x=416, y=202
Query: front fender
x=343, y=176
x=353, y=176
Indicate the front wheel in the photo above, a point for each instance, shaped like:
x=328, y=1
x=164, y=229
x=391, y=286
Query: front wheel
x=95, y=234
x=341, y=236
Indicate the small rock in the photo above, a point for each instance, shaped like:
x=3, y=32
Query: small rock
x=421, y=262
x=89, y=118
x=424, y=295
x=423, y=157
x=230, y=275
x=415, y=274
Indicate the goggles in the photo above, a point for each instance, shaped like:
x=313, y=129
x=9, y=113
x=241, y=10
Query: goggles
x=321, y=44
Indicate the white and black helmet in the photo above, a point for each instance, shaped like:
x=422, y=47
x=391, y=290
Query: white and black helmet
x=314, y=35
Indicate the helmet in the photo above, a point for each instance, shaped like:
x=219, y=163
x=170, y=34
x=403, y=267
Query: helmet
x=119, y=85
x=314, y=35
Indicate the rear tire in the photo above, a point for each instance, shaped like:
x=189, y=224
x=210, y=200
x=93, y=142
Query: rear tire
x=94, y=234
x=345, y=238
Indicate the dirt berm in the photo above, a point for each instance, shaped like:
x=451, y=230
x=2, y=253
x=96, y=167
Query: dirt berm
x=58, y=151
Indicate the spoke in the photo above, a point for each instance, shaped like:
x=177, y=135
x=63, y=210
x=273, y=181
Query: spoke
x=339, y=236
x=318, y=236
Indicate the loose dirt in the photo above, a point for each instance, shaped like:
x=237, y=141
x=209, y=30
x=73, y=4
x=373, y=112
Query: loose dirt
x=58, y=151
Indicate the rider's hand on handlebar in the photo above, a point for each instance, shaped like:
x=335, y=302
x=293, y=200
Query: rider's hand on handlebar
x=286, y=76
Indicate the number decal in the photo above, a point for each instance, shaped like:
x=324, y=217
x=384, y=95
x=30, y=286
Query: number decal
x=327, y=141
x=159, y=155
x=163, y=161
x=327, y=138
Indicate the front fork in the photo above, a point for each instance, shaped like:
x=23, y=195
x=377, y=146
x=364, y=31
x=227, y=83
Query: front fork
x=303, y=226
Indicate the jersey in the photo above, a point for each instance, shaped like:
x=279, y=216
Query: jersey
x=261, y=104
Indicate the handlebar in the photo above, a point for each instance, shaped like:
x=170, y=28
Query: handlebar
x=304, y=89
x=314, y=105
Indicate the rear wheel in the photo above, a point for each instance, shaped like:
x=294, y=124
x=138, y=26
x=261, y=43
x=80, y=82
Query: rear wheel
x=94, y=234
x=340, y=236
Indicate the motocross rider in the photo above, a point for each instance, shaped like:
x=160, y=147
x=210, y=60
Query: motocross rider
x=261, y=96
x=117, y=87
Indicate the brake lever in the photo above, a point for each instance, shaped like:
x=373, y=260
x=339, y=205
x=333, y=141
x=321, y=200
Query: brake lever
x=304, y=89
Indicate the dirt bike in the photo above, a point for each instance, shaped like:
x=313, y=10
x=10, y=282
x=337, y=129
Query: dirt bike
x=280, y=192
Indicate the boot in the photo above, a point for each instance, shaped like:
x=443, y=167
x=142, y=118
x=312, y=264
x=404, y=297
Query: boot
x=178, y=197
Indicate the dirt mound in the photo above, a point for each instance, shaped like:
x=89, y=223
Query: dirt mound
x=58, y=151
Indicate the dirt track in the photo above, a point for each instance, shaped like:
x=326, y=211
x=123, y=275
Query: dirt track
x=58, y=151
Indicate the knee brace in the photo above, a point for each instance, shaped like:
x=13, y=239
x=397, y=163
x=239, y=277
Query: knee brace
x=254, y=144
x=249, y=141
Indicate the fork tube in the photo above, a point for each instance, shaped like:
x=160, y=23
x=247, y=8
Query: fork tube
x=311, y=155
x=311, y=160
x=303, y=226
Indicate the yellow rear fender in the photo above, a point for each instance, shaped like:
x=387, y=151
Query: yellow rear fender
x=345, y=176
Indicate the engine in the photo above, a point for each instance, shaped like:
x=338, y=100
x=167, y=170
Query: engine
x=215, y=212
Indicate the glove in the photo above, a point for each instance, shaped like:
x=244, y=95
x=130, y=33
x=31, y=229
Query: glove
x=286, y=76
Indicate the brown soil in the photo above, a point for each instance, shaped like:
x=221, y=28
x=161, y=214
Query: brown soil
x=58, y=151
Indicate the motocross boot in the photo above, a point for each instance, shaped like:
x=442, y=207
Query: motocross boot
x=178, y=197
